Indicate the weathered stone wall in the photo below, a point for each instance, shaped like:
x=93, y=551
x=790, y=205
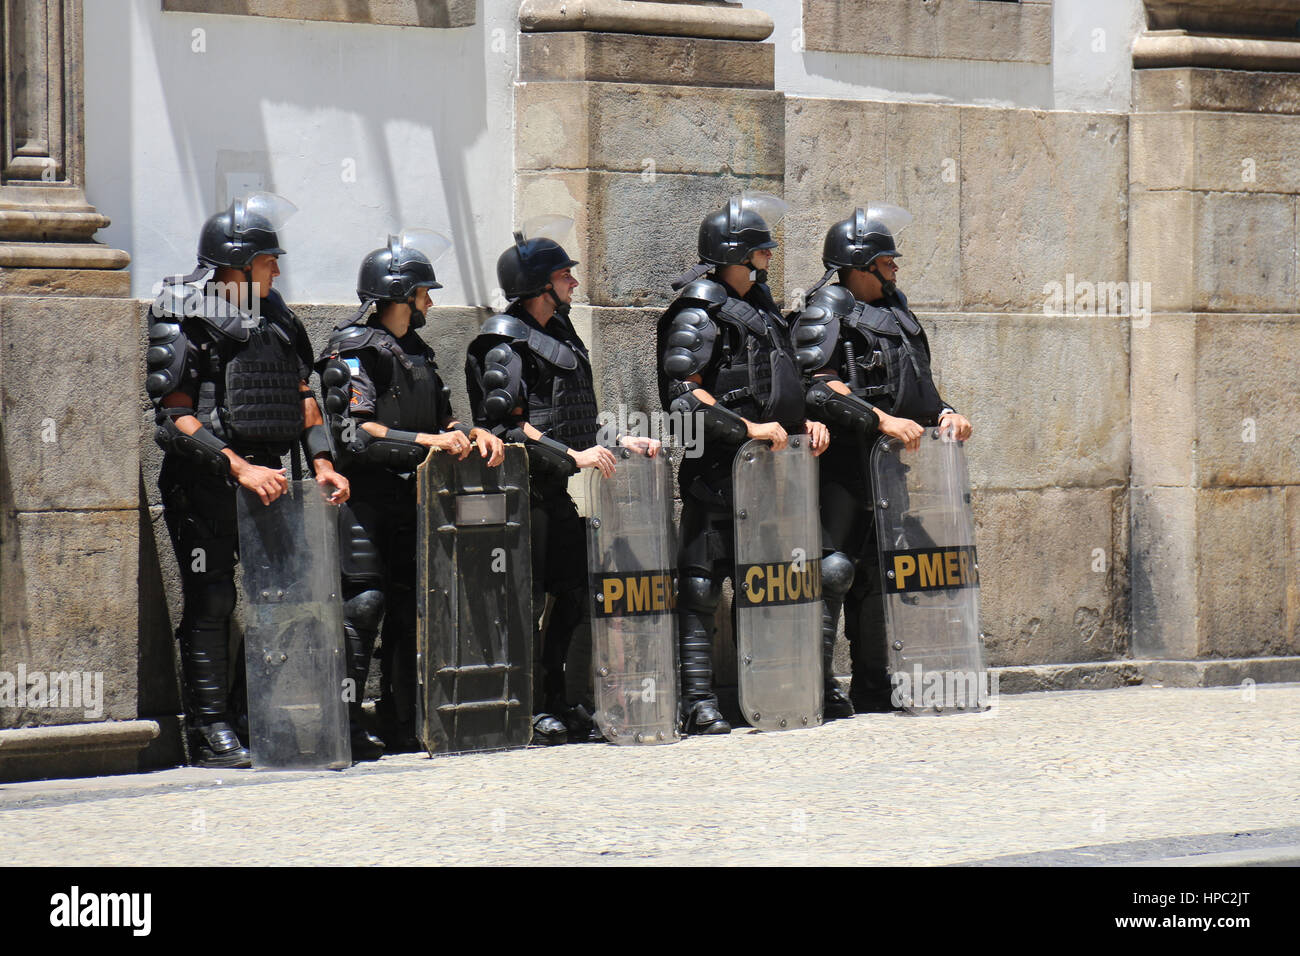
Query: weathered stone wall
x=69, y=475
x=1216, y=452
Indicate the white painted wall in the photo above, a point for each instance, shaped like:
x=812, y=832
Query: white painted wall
x=423, y=114
x=1092, y=53
x=1079, y=78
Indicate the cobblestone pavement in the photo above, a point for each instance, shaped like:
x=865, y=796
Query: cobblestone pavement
x=1041, y=773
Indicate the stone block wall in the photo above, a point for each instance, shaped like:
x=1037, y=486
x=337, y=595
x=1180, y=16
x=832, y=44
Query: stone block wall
x=1216, y=454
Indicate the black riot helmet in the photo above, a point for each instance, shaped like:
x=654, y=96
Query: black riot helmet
x=857, y=242
x=246, y=229
x=524, y=270
x=402, y=267
x=730, y=235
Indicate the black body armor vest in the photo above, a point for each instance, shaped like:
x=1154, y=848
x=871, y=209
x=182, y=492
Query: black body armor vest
x=248, y=393
x=887, y=362
x=756, y=376
x=416, y=399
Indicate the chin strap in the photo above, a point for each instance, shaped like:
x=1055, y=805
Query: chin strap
x=417, y=317
x=887, y=288
x=560, y=307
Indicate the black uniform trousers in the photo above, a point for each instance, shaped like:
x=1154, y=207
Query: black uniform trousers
x=377, y=531
x=849, y=527
x=559, y=556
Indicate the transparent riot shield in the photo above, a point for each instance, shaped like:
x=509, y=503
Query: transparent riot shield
x=630, y=554
x=474, y=636
x=778, y=585
x=293, y=630
x=930, y=575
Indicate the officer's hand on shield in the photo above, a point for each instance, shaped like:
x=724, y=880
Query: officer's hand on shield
x=595, y=457
x=769, y=431
x=489, y=446
x=452, y=441
x=818, y=435
x=267, y=483
x=960, y=425
x=646, y=446
x=328, y=478
x=904, y=429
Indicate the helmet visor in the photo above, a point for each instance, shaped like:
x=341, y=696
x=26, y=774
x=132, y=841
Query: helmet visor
x=771, y=209
x=553, y=227
x=878, y=217
x=265, y=211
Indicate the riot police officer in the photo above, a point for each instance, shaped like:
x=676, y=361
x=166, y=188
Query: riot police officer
x=228, y=367
x=725, y=357
x=530, y=380
x=388, y=406
x=868, y=362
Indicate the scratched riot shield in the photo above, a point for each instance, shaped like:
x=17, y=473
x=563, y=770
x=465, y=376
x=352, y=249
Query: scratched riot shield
x=930, y=575
x=474, y=637
x=293, y=630
x=630, y=554
x=778, y=585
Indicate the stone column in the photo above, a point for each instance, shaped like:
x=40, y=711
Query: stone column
x=69, y=406
x=637, y=119
x=1214, y=197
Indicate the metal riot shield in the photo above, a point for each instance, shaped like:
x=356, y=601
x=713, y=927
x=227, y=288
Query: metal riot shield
x=630, y=554
x=474, y=637
x=930, y=575
x=778, y=585
x=293, y=630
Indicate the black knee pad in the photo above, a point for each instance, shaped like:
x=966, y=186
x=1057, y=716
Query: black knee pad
x=837, y=574
x=210, y=598
x=365, y=609
x=698, y=593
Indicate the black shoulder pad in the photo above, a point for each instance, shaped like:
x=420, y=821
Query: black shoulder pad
x=355, y=338
x=835, y=299
x=178, y=300
x=688, y=342
x=505, y=326
x=166, y=357
x=816, y=333
x=708, y=293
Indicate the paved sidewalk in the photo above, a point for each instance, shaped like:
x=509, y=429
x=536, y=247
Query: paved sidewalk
x=1127, y=775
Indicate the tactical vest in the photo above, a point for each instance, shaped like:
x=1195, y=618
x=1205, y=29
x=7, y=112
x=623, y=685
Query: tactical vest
x=416, y=399
x=562, y=403
x=248, y=393
x=757, y=378
x=887, y=362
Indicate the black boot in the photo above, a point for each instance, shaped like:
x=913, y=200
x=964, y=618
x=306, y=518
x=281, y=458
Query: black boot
x=360, y=645
x=864, y=625
x=362, y=613
x=837, y=578
x=835, y=706
x=204, y=658
x=698, y=601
